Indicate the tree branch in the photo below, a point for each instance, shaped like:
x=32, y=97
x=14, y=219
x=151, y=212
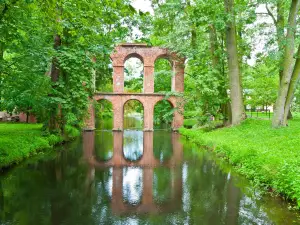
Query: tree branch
x=271, y=14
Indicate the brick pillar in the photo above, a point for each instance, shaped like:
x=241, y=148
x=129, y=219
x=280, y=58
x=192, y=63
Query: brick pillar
x=148, y=79
x=148, y=116
x=88, y=144
x=178, y=78
x=118, y=115
x=89, y=123
x=118, y=158
x=118, y=79
x=178, y=114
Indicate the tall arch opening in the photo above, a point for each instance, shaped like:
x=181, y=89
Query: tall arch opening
x=163, y=115
x=162, y=75
x=103, y=115
x=133, y=74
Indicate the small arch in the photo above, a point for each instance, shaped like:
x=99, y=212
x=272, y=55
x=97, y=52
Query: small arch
x=104, y=114
x=163, y=114
x=133, y=114
x=133, y=55
x=165, y=56
x=163, y=72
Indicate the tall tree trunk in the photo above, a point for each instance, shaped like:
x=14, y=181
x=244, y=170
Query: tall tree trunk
x=292, y=87
x=279, y=23
x=278, y=119
x=237, y=106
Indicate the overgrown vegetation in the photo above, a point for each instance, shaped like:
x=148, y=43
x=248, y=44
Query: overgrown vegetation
x=269, y=157
x=20, y=141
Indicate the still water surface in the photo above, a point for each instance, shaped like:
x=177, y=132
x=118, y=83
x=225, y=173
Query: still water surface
x=132, y=177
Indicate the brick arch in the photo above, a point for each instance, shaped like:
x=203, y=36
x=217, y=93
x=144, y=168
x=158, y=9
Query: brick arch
x=133, y=55
x=165, y=56
x=133, y=99
x=148, y=98
x=171, y=100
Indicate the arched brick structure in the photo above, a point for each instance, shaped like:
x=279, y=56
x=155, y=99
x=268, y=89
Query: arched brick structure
x=148, y=55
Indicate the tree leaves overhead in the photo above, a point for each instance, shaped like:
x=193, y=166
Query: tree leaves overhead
x=88, y=30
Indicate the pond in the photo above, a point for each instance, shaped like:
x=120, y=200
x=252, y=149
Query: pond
x=132, y=177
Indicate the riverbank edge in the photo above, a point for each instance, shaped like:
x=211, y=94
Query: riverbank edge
x=43, y=144
x=221, y=152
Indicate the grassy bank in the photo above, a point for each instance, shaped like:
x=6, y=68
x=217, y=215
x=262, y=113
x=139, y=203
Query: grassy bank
x=269, y=157
x=20, y=141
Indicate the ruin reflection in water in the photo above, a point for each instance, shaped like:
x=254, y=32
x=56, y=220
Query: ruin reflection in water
x=133, y=164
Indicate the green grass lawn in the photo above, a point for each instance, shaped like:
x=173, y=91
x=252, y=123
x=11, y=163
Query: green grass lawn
x=269, y=157
x=19, y=141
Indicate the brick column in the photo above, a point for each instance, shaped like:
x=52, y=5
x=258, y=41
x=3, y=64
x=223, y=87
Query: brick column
x=118, y=79
x=118, y=114
x=118, y=158
x=89, y=122
x=178, y=77
x=148, y=116
x=178, y=114
x=148, y=79
x=88, y=144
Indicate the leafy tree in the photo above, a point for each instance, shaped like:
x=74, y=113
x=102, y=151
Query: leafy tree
x=260, y=84
x=70, y=41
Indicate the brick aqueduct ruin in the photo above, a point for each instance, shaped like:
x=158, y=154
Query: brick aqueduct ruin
x=118, y=98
